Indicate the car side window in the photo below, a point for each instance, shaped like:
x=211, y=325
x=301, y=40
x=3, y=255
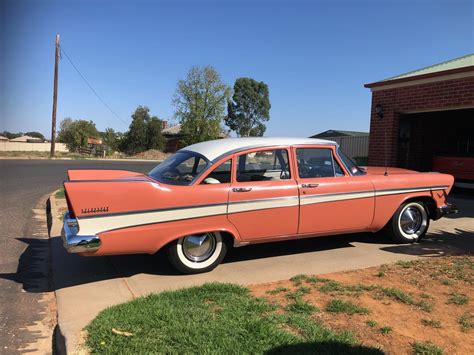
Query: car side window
x=317, y=162
x=220, y=175
x=263, y=165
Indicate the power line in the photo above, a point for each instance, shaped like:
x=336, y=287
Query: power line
x=90, y=86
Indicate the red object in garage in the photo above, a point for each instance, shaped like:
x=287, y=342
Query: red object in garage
x=461, y=167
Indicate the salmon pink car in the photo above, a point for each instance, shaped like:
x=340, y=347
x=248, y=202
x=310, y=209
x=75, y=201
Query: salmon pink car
x=216, y=195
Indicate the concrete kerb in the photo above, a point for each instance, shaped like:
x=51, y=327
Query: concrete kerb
x=59, y=341
x=75, y=291
x=63, y=345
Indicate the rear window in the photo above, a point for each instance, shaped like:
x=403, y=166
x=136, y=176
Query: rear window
x=181, y=168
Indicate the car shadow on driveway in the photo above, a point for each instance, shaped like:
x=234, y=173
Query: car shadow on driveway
x=438, y=244
x=73, y=270
x=34, y=268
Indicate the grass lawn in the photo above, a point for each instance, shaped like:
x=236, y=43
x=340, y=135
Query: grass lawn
x=214, y=318
x=401, y=308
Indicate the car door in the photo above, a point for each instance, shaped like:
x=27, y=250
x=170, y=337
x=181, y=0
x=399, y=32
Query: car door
x=331, y=200
x=263, y=199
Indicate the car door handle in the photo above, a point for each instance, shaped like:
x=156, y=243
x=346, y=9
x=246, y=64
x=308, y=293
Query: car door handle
x=241, y=189
x=309, y=186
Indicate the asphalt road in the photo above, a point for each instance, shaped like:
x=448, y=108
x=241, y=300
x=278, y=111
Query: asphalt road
x=24, y=185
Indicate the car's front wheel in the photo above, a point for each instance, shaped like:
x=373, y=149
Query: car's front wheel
x=409, y=223
x=197, y=253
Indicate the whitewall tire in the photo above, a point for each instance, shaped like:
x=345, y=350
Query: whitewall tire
x=193, y=254
x=409, y=223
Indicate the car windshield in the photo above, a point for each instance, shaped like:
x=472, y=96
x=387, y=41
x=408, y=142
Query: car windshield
x=181, y=168
x=350, y=165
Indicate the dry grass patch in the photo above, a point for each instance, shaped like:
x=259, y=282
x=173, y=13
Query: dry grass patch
x=403, y=308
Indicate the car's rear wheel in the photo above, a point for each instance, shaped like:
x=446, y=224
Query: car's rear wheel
x=197, y=253
x=409, y=223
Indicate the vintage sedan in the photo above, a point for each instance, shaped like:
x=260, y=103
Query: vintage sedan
x=211, y=196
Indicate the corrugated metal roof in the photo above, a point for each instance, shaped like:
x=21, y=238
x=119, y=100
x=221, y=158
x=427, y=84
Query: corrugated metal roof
x=456, y=63
x=339, y=133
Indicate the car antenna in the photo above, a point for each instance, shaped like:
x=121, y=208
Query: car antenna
x=379, y=112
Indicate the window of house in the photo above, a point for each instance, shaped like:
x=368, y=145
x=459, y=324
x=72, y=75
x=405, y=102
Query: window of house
x=317, y=162
x=263, y=165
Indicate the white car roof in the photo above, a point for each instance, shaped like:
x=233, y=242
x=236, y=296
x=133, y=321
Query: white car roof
x=216, y=148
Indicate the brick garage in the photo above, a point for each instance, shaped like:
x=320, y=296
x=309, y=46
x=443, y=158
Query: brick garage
x=426, y=113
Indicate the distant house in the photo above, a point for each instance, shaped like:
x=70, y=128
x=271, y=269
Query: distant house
x=3, y=139
x=354, y=143
x=27, y=139
x=173, y=137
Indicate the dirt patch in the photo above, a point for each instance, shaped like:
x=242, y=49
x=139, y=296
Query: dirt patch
x=152, y=154
x=408, y=302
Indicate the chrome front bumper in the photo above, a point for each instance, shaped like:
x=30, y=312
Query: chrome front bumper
x=77, y=243
x=445, y=210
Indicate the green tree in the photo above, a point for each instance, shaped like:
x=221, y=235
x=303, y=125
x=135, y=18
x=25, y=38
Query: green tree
x=11, y=135
x=64, y=126
x=76, y=132
x=136, y=137
x=249, y=108
x=200, y=104
x=144, y=133
x=155, y=139
x=110, y=139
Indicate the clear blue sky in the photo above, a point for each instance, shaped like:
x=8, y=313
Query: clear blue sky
x=314, y=55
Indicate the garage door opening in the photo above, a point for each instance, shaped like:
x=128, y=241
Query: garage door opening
x=438, y=141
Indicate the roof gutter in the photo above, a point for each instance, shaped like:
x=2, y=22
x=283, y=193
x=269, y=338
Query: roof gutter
x=439, y=74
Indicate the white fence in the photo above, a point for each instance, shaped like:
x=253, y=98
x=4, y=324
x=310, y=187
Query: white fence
x=31, y=147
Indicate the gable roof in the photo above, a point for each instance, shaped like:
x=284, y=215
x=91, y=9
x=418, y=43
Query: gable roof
x=456, y=63
x=173, y=130
x=454, y=66
x=339, y=133
x=26, y=139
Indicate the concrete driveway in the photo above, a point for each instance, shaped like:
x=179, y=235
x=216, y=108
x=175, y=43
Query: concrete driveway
x=85, y=286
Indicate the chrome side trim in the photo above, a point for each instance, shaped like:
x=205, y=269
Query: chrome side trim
x=271, y=203
x=112, y=214
x=407, y=190
x=320, y=198
x=75, y=243
x=265, y=199
x=118, y=221
x=91, y=225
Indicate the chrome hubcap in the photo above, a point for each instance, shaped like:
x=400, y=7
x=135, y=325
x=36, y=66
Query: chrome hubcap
x=411, y=220
x=199, y=247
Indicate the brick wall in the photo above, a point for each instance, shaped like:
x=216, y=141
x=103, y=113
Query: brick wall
x=431, y=96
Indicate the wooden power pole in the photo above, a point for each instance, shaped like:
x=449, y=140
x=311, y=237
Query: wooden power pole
x=55, y=98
